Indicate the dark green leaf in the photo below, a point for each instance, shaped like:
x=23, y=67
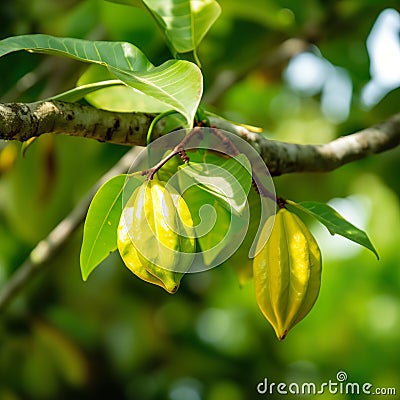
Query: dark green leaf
x=176, y=83
x=121, y=55
x=334, y=222
x=100, y=230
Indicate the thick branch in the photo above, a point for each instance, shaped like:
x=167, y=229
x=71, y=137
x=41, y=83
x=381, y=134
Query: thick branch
x=23, y=121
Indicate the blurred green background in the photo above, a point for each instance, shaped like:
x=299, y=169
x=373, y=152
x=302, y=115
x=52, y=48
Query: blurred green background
x=301, y=70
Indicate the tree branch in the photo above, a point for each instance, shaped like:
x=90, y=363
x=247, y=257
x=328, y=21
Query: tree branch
x=23, y=121
x=49, y=247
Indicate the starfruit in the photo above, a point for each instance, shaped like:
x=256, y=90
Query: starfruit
x=155, y=237
x=287, y=271
x=131, y=259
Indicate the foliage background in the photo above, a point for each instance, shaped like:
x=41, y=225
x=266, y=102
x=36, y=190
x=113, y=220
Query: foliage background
x=118, y=337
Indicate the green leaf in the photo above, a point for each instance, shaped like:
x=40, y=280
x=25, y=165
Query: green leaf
x=176, y=83
x=185, y=22
x=212, y=234
x=241, y=260
x=119, y=98
x=100, y=229
x=121, y=55
x=229, y=182
x=334, y=222
x=204, y=155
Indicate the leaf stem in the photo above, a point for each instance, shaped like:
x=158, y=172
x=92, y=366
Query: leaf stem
x=149, y=136
x=154, y=123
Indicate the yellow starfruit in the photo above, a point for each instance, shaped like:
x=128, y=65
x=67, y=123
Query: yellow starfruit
x=287, y=272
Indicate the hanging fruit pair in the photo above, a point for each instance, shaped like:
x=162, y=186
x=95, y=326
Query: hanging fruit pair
x=287, y=271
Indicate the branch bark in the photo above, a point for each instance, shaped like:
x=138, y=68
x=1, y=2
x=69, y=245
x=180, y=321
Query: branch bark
x=22, y=121
x=282, y=158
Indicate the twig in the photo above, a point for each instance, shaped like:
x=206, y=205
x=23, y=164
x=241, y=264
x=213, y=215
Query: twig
x=48, y=247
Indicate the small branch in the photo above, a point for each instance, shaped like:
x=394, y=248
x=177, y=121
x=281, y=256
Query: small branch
x=22, y=121
x=50, y=246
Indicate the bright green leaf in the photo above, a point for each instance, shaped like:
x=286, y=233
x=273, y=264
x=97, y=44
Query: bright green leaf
x=334, y=222
x=100, y=230
x=241, y=260
x=211, y=233
x=204, y=155
x=185, y=22
x=229, y=182
x=176, y=83
x=119, y=98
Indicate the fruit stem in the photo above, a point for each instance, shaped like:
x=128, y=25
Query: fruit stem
x=281, y=202
x=178, y=150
